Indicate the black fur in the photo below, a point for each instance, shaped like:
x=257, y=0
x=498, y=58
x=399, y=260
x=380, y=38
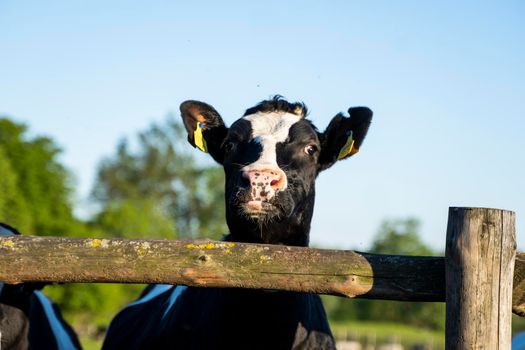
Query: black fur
x=278, y=104
x=335, y=135
x=289, y=214
x=214, y=129
x=212, y=318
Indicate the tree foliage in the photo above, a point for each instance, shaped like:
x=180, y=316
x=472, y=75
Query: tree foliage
x=13, y=206
x=160, y=177
x=399, y=237
x=137, y=219
x=36, y=194
x=153, y=190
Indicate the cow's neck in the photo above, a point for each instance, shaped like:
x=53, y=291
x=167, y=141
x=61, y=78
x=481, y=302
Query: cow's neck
x=293, y=230
x=284, y=233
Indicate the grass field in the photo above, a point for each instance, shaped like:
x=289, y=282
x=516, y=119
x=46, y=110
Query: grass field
x=383, y=332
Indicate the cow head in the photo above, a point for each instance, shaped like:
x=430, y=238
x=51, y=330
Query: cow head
x=271, y=157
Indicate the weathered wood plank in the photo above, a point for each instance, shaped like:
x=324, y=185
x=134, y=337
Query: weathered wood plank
x=518, y=287
x=210, y=263
x=221, y=264
x=480, y=255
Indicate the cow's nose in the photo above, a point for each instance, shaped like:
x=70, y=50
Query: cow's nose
x=265, y=183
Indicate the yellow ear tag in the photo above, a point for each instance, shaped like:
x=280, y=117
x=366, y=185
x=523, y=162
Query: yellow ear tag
x=348, y=148
x=200, y=142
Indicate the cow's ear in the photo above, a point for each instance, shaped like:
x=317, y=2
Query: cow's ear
x=343, y=136
x=206, y=129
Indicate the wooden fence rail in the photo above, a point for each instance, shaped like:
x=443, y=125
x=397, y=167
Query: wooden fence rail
x=479, y=276
x=205, y=263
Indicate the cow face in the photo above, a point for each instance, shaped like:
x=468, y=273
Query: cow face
x=271, y=158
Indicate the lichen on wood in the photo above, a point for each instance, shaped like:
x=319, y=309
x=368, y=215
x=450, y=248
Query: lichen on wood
x=205, y=263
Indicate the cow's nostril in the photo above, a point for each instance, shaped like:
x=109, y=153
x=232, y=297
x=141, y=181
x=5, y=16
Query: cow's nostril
x=263, y=183
x=277, y=183
x=245, y=179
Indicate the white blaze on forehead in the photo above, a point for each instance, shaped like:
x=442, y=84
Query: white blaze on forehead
x=268, y=129
x=275, y=125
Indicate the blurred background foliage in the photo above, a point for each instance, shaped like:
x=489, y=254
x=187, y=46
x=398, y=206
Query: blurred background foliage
x=159, y=185
x=153, y=187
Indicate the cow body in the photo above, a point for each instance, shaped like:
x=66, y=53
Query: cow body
x=28, y=319
x=271, y=158
x=213, y=318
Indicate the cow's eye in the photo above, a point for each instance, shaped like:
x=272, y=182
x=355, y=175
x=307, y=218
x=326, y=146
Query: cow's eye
x=310, y=149
x=228, y=146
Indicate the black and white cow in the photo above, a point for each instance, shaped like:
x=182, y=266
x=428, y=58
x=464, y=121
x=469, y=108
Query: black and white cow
x=271, y=157
x=28, y=319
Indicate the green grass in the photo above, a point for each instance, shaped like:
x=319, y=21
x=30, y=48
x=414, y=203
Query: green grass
x=387, y=332
x=89, y=343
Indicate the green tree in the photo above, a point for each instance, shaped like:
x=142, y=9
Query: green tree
x=35, y=197
x=43, y=185
x=399, y=237
x=136, y=218
x=13, y=206
x=160, y=177
x=393, y=237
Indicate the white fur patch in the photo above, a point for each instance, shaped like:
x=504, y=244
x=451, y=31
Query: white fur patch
x=63, y=340
x=5, y=232
x=268, y=129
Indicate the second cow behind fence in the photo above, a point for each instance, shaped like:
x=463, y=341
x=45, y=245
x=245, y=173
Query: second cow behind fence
x=271, y=157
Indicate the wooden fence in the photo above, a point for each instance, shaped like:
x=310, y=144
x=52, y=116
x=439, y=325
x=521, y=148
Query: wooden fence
x=481, y=277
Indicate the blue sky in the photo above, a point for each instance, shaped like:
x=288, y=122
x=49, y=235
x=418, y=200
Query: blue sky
x=445, y=80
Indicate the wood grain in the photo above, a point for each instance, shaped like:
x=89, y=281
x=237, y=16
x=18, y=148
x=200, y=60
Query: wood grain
x=205, y=263
x=480, y=255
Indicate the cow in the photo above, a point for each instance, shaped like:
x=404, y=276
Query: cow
x=271, y=157
x=28, y=319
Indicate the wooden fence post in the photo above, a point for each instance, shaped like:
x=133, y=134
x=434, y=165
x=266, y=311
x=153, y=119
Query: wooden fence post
x=480, y=254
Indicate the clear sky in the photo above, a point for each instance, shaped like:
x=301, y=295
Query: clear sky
x=445, y=79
